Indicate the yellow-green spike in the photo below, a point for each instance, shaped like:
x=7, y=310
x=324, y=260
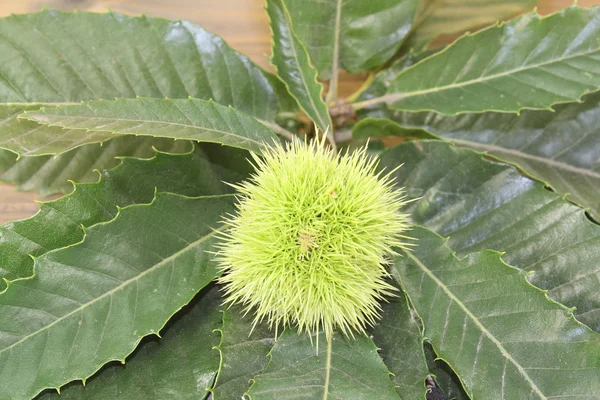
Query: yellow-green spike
x=309, y=243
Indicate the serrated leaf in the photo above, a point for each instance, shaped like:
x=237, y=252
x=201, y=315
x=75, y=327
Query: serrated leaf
x=354, y=35
x=28, y=137
x=51, y=174
x=294, y=66
x=344, y=368
x=445, y=378
x=244, y=350
x=182, y=364
x=442, y=17
x=59, y=223
x=57, y=58
x=481, y=205
x=91, y=303
x=560, y=147
x=379, y=85
x=503, y=336
x=401, y=347
x=531, y=62
x=190, y=119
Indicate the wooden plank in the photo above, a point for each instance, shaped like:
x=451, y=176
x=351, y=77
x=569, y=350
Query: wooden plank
x=242, y=23
x=16, y=205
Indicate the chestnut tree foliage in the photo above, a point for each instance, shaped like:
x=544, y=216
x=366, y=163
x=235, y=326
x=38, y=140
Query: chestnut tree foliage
x=112, y=291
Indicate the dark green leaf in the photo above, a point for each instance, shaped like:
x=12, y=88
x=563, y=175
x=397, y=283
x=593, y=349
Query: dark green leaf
x=244, y=352
x=354, y=35
x=59, y=223
x=294, y=67
x=401, y=346
x=51, y=174
x=445, y=378
x=344, y=368
x=28, y=137
x=503, y=336
x=181, y=365
x=55, y=58
x=481, y=205
x=380, y=84
x=199, y=120
x=528, y=63
x=91, y=303
x=561, y=147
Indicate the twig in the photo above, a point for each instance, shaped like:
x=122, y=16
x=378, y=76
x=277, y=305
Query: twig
x=388, y=98
x=282, y=131
x=331, y=139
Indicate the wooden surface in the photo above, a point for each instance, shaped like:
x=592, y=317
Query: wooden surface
x=242, y=23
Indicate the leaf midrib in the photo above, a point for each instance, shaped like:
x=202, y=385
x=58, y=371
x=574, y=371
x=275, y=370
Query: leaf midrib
x=122, y=285
x=295, y=53
x=517, y=153
x=479, y=325
x=45, y=120
x=327, y=368
x=481, y=78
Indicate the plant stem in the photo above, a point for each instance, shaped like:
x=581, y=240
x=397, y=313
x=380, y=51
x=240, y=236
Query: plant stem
x=331, y=139
x=333, y=83
x=327, y=368
x=282, y=131
x=388, y=98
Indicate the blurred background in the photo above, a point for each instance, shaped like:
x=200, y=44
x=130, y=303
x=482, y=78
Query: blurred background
x=242, y=23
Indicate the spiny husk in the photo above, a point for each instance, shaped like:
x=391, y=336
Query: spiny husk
x=311, y=239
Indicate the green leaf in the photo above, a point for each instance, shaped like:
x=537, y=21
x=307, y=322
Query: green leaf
x=529, y=63
x=401, y=346
x=91, y=303
x=29, y=138
x=51, y=174
x=481, y=205
x=382, y=127
x=199, y=120
x=51, y=58
x=445, y=378
x=560, y=147
x=294, y=67
x=443, y=17
x=181, y=365
x=503, y=336
x=343, y=368
x=244, y=350
x=354, y=35
x=60, y=223
x=379, y=86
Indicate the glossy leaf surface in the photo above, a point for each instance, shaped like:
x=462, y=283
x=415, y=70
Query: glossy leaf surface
x=47, y=58
x=294, y=66
x=192, y=119
x=344, y=368
x=243, y=353
x=51, y=174
x=60, y=223
x=482, y=205
x=180, y=365
x=91, y=303
x=531, y=62
x=503, y=336
x=353, y=35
